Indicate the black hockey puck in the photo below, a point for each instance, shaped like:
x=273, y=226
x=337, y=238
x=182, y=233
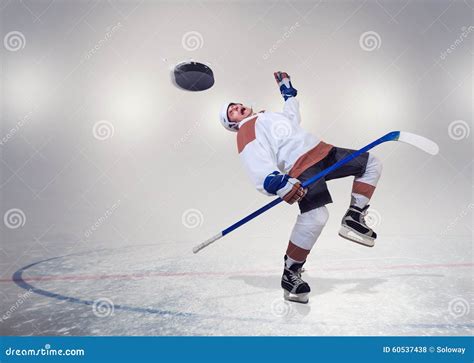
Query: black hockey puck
x=193, y=76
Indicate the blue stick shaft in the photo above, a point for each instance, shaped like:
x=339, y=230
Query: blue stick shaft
x=391, y=136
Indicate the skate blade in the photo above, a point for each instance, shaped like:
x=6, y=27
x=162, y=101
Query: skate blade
x=351, y=235
x=299, y=298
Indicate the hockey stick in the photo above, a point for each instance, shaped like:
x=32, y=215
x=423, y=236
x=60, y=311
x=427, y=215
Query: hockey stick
x=418, y=141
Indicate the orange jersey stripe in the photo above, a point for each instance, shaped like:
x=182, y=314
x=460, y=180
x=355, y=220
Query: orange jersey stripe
x=311, y=157
x=246, y=134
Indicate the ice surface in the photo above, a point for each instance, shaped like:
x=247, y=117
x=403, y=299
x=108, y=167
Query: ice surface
x=398, y=287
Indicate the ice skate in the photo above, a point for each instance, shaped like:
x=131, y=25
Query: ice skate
x=294, y=288
x=353, y=227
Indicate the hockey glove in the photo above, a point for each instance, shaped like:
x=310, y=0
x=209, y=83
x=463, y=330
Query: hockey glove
x=288, y=189
x=284, y=82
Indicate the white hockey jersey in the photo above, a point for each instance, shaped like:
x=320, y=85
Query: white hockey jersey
x=270, y=141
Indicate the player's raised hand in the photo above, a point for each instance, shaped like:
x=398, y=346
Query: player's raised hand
x=284, y=83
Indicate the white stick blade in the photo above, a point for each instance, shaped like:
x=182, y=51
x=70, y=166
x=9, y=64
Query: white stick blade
x=206, y=243
x=420, y=142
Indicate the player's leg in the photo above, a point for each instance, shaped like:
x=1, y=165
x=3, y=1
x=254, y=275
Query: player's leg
x=306, y=231
x=353, y=225
x=363, y=186
x=367, y=170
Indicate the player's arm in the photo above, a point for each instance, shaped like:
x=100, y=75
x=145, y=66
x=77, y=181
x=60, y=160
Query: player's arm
x=260, y=166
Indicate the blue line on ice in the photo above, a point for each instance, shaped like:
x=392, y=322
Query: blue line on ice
x=18, y=279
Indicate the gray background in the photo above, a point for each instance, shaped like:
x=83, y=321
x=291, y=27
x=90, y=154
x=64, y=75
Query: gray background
x=169, y=174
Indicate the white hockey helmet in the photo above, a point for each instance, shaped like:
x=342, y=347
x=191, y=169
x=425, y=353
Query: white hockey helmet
x=224, y=117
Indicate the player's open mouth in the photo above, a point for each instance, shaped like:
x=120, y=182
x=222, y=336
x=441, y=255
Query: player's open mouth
x=242, y=111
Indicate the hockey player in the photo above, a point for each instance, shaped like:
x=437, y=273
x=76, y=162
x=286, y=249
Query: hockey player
x=278, y=156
